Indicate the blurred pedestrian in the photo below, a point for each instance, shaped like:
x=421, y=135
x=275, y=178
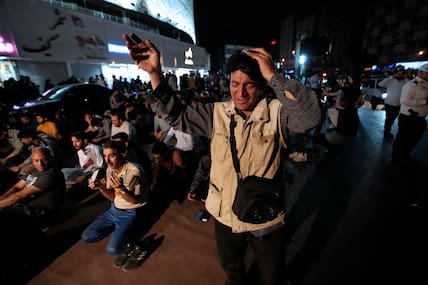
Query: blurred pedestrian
x=412, y=119
x=393, y=84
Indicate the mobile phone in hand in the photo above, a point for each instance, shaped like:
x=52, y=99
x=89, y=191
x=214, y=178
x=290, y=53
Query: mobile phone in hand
x=98, y=174
x=94, y=175
x=135, y=39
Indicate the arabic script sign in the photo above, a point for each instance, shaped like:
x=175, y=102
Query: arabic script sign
x=6, y=47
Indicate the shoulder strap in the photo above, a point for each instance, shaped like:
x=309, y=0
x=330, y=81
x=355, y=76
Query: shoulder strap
x=233, y=147
x=235, y=156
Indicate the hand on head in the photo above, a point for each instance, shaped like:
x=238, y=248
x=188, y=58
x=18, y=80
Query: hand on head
x=264, y=59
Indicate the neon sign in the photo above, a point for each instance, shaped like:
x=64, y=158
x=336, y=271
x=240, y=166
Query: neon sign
x=117, y=48
x=6, y=47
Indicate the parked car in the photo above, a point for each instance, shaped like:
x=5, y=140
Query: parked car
x=373, y=92
x=72, y=100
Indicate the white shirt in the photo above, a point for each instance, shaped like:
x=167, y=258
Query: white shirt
x=414, y=96
x=93, y=152
x=159, y=124
x=127, y=128
x=184, y=140
x=393, y=90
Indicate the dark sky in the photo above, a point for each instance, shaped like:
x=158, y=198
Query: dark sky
x=223, y=22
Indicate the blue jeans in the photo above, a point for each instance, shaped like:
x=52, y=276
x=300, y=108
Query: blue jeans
x=115, y=222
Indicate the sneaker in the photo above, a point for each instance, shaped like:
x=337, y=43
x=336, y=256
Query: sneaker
x=301, y=157
x=124, y=255
x=135, y=259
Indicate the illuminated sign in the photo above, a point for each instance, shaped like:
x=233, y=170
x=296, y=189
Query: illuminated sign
x=117, y=48
x=188, y=56
x=6, y=47
x=412, y=64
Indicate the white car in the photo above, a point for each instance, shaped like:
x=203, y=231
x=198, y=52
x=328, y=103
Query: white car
x=373, y=92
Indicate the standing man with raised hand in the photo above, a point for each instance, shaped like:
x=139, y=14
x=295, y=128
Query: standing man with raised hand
x=264, y=106
x=393, y=84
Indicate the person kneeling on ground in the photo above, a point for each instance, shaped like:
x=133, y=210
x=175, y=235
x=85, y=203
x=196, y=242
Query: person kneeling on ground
x=126, y=187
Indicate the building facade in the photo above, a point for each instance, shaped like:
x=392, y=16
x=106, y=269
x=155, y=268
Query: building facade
x=396, y=31
x=60, y=39
x=364, y=35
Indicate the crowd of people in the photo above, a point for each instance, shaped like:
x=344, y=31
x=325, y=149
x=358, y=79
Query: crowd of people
x=190, y=154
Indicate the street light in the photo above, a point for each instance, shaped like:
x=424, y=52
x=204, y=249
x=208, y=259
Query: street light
x=302, y=60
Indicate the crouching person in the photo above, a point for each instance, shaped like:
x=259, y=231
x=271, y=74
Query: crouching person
x=125, y=185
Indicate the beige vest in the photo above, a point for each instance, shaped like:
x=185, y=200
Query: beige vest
x=255, y=146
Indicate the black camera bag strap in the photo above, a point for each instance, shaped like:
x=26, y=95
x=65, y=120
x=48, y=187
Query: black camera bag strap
x=235, y=160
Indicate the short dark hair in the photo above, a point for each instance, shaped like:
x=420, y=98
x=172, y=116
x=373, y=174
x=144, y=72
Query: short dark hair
x=122, y=136
x=26, y=114
x=80, y=135
x=117, y=145
x=118, y=112
x=28, y=133
x=159, y=147
x=163, y=150
x=245, y=63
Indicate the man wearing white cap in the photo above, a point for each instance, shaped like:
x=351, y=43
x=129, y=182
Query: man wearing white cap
x=412, y=119
x=413, y=110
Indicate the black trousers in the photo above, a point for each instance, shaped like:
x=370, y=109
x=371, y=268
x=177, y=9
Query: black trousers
x=391, y=113
x=269, y=252
x=410, y=131
x=40, y=217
